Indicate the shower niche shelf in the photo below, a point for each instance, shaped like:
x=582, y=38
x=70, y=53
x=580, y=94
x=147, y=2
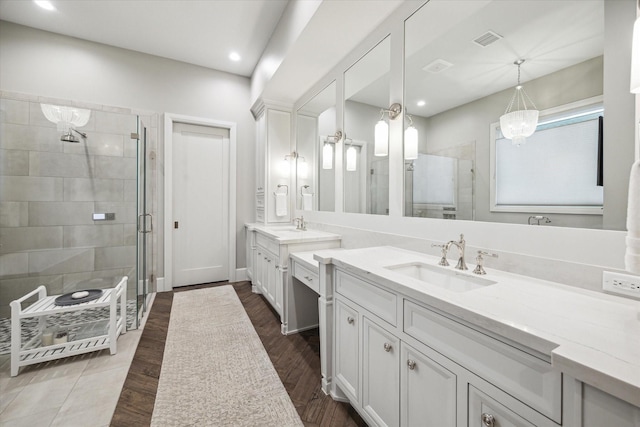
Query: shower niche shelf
x=33, y=352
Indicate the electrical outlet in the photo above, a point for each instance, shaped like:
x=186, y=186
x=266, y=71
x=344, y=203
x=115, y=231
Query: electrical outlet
x=621, y=284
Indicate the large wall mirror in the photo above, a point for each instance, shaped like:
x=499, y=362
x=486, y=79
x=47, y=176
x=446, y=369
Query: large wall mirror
x=315, y=145
x=459, y=80
x=366, y=93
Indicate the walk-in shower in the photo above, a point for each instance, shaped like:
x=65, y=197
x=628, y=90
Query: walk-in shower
x=74, y=216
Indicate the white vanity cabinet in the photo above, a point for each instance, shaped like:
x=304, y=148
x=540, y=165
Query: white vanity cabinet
x=387, y=380
x=495, y=356
x=268, y=249
x=385, y=353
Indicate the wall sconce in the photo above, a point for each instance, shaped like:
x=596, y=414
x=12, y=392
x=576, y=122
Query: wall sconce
x=303, y=168
x=66, y=119
x=285, y=165
x=327, y=149
x=410, y=141
x=352, y=156
x=381, y=132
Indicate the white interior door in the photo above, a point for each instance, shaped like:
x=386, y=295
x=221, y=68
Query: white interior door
x=200, y=204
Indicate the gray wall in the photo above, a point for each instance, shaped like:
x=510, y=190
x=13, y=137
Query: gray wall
x=46, y=64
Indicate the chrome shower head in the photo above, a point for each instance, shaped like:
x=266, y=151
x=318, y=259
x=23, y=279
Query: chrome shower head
x=70, y=137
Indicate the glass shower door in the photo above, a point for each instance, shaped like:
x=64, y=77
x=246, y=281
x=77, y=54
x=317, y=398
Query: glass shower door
x=144, y=278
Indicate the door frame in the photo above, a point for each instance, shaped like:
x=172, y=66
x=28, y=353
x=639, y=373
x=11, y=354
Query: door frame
x=169, y=120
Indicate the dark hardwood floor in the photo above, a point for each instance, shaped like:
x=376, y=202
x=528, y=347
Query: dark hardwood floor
x=295, y=357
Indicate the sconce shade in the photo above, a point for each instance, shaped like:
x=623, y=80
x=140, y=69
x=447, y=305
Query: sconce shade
x=635, y=58
x=303, y=168
x=411, y=143
x=285, y=168
x=352, y=156
x=327, y=156
x=381, y=139
x=518, y=125
x=66, y=118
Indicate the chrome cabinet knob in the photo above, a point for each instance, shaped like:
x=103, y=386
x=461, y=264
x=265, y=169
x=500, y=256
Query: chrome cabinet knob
x=350, y=320
x=387, y=347
x=411, y=364
x=488, y=420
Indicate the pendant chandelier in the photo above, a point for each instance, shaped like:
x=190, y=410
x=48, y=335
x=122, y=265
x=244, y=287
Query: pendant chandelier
x=519, y=122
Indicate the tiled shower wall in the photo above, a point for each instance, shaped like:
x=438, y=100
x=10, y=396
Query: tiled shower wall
x=49, y=190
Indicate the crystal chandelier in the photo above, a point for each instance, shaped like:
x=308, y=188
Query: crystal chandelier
x=518, y=122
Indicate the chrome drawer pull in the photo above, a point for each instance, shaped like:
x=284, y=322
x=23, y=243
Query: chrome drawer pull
x=387, y=347
x=350, y=320
x=488, y=420
x=411, y=364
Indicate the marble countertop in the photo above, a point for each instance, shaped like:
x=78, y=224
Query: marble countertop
x=591, y=336
x=287, y=234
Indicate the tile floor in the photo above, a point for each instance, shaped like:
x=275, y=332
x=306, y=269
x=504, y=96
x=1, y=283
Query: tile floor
x=77, y=391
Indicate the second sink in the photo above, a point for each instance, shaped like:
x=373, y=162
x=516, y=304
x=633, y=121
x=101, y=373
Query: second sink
x=437, y=276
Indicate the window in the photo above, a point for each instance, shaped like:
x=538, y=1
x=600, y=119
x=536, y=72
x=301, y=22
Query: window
x=557, y=170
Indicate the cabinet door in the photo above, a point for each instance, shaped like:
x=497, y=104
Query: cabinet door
x=259, y=269
x=487, y=412
x=347, y=355
x=270, y=278
x=278, y=285
x=380, y=375
x=428, y=393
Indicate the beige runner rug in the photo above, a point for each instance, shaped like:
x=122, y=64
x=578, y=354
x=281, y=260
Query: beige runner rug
x=215, y=370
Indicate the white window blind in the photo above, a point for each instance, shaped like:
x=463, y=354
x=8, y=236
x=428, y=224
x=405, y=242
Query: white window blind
x=557, y=166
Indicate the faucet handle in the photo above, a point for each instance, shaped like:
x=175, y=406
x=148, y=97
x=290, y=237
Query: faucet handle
x=479, y=260
x=443, y=260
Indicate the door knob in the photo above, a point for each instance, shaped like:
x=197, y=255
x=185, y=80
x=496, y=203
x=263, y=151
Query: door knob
x=387, y=347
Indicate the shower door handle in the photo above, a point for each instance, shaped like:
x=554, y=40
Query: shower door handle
x=142, y=223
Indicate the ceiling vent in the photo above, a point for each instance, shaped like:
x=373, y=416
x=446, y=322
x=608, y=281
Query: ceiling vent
x=487, y=38
x=437, y=66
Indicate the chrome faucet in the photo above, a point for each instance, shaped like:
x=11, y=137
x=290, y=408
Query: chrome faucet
x=300, y=224
x=461, y=246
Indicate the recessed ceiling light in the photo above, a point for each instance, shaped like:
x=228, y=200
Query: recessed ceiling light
x=45, y=4
x=421, y=103
x=234, y=56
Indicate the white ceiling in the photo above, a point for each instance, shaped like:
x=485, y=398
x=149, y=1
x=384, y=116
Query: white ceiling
x=200, y=32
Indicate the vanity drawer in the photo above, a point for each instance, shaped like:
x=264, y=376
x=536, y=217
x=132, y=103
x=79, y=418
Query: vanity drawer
x=375, y=299
x=306, y=276
x=527, y=378
x=270, y=245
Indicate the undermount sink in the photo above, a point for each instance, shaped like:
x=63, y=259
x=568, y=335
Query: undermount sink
x=447, y=279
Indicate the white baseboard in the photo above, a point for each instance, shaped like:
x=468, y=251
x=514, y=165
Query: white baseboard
x=241, y=274
x=161, y=285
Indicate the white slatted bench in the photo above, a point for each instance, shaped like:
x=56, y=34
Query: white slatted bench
x=33, y=352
